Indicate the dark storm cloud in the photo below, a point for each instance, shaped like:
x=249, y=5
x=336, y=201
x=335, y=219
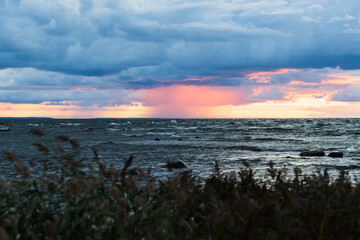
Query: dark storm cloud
x=135, y=44
x=107, y=37
x=82, y=98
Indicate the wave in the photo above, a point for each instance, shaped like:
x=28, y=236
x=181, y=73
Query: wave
x=115, y=124
x=279, y=149
x=265, y=149
x=32, y=124
x=275, y=139
x=187, y=128
x=70, y=124
x=352, y=150
x=161, y=133
x=113, y=129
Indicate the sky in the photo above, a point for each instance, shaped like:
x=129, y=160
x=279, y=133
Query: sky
x=180, y=59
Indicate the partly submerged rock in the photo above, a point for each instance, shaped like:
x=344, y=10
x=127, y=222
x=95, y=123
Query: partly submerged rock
x=255, y=148
x=177, y=164
x=353, y=167
x=312, y=153
x=350, y=167
x=336, y=154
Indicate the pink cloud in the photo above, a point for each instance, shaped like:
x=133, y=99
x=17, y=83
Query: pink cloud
x=178, y=95
x=198, y=78
x=83, y=89
x=278, y=71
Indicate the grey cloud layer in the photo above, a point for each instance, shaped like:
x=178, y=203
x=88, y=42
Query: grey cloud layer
x=59, y=97
x=106, y=37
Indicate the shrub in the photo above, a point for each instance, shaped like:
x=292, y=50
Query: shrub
x=63, y=196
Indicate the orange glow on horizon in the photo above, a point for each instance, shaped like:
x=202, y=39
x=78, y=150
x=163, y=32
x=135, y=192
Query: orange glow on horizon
x=136, y=110
x=280, y=99
x=302, y=107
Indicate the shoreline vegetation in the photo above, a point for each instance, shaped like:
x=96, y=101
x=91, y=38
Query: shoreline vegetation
x=62, y=196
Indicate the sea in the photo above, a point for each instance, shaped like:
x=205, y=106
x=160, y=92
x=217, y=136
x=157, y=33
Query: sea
x=196, y=142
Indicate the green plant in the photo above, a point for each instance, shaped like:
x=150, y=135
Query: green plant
x=63, y=196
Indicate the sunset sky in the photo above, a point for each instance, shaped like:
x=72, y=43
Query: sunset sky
x=176, y=58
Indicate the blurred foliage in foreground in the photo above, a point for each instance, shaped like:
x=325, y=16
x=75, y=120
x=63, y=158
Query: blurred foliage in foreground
x=63, y=197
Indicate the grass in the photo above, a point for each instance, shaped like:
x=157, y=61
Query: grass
x=62, y=196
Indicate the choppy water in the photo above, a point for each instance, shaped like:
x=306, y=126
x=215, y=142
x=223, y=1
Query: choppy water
x=203, y=141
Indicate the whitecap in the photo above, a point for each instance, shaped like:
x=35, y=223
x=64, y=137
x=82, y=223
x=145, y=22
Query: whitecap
x=352, y=150
x=70, y=124
x=187, y=128
x=160, y=133
x=32, y=124
x=112, y=129
x=66, y=124
x=4, y=128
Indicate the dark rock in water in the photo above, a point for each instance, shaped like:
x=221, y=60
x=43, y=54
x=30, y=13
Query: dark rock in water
x=177, y=164
x=336, y=154
x=256, y=149
x=231, y=123
x=180, y=139
x=133, y=135
x=197, y=137
x=157, y=139
x=353, y=167
x=251, y=148
x=331, y=149
x=312, y=153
